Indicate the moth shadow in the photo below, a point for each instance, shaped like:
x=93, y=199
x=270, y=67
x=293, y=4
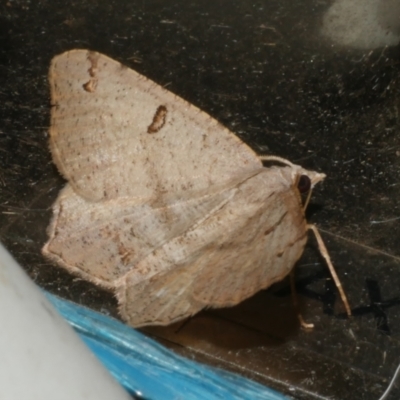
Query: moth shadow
x=262, y=321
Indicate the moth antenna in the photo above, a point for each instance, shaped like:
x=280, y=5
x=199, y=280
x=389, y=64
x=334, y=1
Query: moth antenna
x=303, y=323
x=325, y=254
x=276, y=158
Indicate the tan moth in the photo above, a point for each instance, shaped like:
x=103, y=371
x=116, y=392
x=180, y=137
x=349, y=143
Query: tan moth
x=164, y=206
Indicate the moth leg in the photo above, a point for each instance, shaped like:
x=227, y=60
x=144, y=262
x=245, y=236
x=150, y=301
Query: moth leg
x=303, y=323
x=325, y=254
x=183, y=324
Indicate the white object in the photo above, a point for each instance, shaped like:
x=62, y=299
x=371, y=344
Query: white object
x=363, y=24
x=42, y=358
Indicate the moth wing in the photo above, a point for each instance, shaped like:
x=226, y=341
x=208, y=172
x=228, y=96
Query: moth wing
x=102, y=241
x=251, y=242
x=115, y=133
x=256, y=261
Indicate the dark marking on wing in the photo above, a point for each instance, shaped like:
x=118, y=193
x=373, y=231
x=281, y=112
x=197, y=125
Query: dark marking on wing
x=91, y=84
x=159, y=119
x=273, y=227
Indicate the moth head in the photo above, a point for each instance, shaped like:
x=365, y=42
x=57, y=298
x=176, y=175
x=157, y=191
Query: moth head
x=302, y=179
x=298, y=175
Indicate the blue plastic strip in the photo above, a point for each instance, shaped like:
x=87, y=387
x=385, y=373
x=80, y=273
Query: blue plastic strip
x=147, y=369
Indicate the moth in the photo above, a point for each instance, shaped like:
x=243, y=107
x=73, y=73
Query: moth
x=164, y=206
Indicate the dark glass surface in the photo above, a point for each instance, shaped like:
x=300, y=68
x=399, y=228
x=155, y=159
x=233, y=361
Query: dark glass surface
x=263, y=70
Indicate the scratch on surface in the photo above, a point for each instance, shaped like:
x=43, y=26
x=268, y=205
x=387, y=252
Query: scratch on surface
x=360, y=244
x=384, y=221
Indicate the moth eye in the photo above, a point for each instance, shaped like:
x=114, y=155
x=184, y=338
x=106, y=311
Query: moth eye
x=304, y=184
